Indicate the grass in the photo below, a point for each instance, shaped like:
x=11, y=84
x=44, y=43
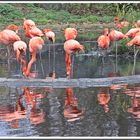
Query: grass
x=14, y=13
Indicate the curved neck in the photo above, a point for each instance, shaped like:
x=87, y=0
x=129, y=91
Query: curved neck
x=23, y=62
x=33, y=59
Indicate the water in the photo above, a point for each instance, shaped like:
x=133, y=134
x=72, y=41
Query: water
x=46, y=112
x=42, y=112
x=88, y=65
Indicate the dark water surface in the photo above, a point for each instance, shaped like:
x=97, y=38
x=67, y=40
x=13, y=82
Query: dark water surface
x=110, y=111
x=106, y=111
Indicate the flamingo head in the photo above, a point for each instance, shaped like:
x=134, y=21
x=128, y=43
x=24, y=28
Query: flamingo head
x=116, y=19
x=13, y=27
x=49, y=34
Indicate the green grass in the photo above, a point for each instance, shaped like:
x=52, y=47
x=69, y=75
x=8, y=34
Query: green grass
x=11, y=13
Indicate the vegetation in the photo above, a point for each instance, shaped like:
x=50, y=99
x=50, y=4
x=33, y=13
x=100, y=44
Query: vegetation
x=80, y=15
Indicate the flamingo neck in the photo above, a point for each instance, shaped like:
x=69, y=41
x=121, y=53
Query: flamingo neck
x=33, y=59
x=22, y=61
x=68, y=65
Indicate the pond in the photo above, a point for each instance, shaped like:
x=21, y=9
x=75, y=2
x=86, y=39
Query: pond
x=108, y=111
x=98, y=111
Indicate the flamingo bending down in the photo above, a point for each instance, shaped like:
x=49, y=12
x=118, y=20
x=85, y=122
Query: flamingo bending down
x=33, y=31
x=35, y=44
x=132, y=32
x=70, y=33
x=20, y=48
x=51, y=36
x=71, y=46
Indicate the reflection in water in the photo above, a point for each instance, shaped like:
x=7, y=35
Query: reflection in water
x=26, y=109
x=134, y=93
x=71, y=110
x=103, y=98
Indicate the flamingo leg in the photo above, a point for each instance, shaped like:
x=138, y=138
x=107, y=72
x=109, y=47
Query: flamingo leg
x=49, y=58
x=116, y=68
x=72, y=66
x=8, y=60
x=135, y=57
x=53, y=59
x=42, y=68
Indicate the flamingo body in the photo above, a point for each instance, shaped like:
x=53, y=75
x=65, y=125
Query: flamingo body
x=50, y=34
x=70, y=33
x=8, y=36
x=104, y=40
x=115, y=35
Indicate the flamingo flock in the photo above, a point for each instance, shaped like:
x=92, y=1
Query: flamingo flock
x=13, y=41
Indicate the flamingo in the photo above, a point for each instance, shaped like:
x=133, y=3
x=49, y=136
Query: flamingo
x=28, y=23
x=33, y=31
x=35, y=44
x=104, y=41
x=114, y=36
x=50, y=35
x=137, y=24
x=132, y=32
x=121, y=23
x=70, y=33
x=8, y=37
x=136, y=42
x=20, y=48
x=71, y=46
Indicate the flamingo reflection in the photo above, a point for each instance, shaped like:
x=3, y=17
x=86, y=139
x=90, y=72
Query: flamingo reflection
x=135, y=99
x=26, y=108
x=71, y=110
x=103, y=98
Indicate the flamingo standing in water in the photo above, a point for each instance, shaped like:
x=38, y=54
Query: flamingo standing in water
x=70, y=33
x=104, y=41
x=35, y=44
x=20, y=48
x=71, y=46
x=136, y=42
x=115, y=36
x=50, y=35
x=8, y=37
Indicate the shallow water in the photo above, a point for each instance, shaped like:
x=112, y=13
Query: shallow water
x=91, y=64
